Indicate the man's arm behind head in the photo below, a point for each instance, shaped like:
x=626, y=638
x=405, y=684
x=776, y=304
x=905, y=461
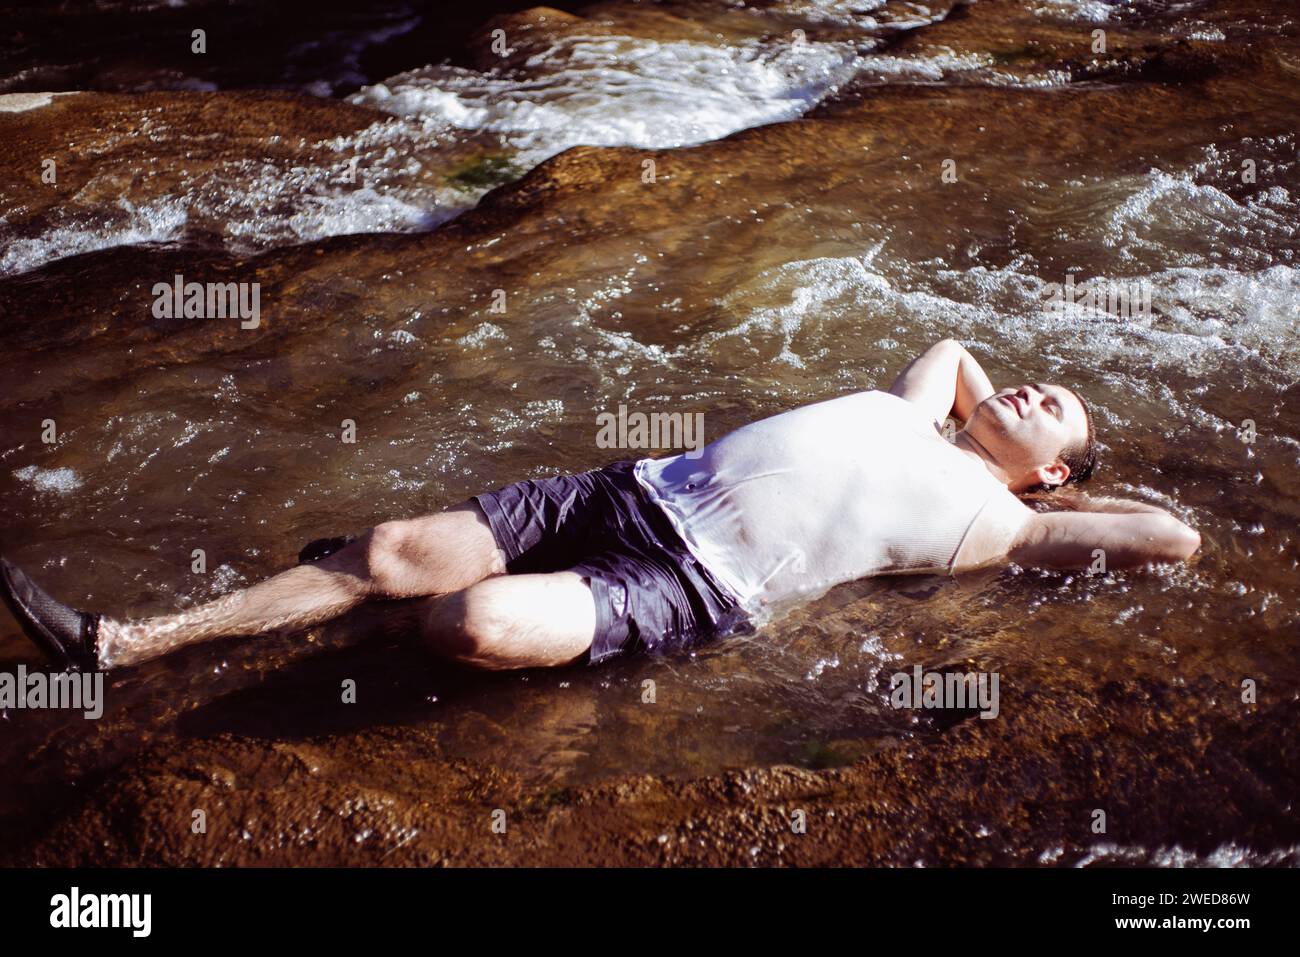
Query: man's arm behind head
x=944, y=380
x=1101, y=534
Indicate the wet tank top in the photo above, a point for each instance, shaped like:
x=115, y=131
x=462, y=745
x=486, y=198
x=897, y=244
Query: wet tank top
x=789, y=506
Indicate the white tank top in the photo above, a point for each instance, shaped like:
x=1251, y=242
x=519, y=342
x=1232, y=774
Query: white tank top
x=789, y=506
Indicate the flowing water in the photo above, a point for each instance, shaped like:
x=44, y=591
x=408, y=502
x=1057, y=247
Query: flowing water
x=473, y=296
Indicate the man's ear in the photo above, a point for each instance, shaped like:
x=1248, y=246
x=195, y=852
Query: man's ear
x=1053, y=475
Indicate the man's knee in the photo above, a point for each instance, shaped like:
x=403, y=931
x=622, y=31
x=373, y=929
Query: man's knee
x=471, y=626
x=388, y=564
x=431, y=555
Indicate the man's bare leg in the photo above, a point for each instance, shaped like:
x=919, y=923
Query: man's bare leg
x=433, y=555
x=514, y=621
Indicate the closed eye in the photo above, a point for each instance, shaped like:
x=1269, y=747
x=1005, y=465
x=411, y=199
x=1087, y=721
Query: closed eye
x=1052, y=403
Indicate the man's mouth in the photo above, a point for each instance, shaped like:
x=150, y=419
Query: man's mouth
x=1015, y=403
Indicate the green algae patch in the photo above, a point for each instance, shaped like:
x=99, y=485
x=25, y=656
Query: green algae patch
x=485, y=172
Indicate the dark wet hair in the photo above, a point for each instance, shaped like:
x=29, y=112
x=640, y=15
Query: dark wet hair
x=1081, y=458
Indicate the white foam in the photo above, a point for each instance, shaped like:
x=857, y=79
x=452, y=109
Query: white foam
x=855, y=13
x=623, y=91
x=1092, y=11
x=158, y=222
x=321, y=208
x=1159, y=203
x=815, y=288
x=481, y=335
x=260, y=205
x=62, y=480
x=1225, y=855
x=1199, y=316
x=944, y=63
x=22, y=102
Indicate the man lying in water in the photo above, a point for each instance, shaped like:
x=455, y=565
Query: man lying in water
x=661, y=553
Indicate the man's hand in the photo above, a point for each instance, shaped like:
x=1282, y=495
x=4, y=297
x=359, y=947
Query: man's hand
x=944, y=380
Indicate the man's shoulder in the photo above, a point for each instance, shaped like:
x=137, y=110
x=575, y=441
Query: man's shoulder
x=994, y=531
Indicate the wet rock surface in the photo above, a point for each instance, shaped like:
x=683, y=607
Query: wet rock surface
x=1176, y=787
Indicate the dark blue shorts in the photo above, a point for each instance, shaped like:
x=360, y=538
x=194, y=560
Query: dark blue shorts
x=651, y=594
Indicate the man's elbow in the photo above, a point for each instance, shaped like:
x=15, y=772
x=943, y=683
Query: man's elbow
x=1178, y=541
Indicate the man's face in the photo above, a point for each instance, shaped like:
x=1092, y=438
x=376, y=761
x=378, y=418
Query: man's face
x=1026, y=428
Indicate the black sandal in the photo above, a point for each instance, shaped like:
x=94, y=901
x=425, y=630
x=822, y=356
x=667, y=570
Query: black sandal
x=315, y=551
x=69, y=638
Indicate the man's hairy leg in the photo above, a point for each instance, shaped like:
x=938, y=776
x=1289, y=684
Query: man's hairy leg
x=433, y=555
